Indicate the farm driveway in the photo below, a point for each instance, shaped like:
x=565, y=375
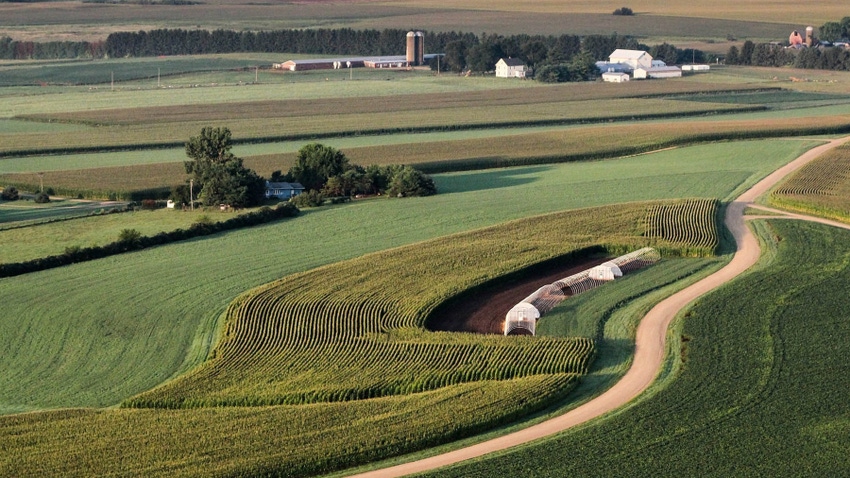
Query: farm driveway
x=649, y=341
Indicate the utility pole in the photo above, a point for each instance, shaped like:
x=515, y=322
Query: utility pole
x=158, y=73
x=41, y=180
x=192, y=194
x=256, y=74
x=112, y=81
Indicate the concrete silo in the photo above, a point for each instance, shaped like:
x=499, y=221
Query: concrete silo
x=420, y=48
x=411, y=49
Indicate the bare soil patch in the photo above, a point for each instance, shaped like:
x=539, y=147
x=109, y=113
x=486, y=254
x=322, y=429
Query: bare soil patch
x=483, y=310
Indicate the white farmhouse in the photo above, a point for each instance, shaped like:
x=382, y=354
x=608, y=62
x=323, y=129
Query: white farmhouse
x=511, y=68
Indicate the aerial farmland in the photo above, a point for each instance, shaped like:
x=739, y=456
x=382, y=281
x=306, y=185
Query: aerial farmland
x=163, y=312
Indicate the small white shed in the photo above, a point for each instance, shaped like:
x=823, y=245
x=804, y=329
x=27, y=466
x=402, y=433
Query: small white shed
x=662, y=72
x=615, y=77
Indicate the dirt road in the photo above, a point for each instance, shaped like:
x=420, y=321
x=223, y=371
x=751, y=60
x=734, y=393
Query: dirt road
x=649, y=340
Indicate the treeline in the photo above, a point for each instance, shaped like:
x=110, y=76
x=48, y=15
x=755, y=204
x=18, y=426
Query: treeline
x=131, y=240
x=767, y=54
x=27, y=50
x=340, y=41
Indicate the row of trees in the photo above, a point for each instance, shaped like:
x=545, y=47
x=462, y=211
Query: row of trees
x=324, y=171
x=766, y=54
x=220, y=177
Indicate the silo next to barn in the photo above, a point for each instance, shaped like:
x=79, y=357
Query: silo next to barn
x=415, y=48
x=411, y=49
x=420, y=48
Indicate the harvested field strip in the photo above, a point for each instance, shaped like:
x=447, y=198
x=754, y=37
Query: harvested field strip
x=822, y=187
x=363, y=320
x=594, y=142
x=380, y=104
x=159, y=135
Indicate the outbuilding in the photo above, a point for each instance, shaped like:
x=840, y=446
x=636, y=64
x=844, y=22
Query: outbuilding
x=615, y=77
x=663, y=72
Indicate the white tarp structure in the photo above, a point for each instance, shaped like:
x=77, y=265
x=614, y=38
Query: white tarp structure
x=525, y=314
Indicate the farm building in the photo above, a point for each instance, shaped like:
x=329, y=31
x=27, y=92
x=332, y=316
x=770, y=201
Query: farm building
x=615, y=77
x=511, y=68
x=283, y=190
x=633, y=59
x=695, y=68
x=660, y=72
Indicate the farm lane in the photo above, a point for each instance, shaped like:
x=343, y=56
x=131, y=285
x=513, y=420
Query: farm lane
x=650, y=337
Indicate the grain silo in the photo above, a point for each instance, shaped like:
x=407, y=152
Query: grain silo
x=411, y=49
x=810, y=36
x=420, y=48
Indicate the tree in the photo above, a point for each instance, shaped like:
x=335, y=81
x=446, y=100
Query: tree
x=483, y=56
x=745, y=58
x=408, y=181
x=534, y=52
x=624, y=11
x=553, y=74
x=220, y=176
x=10, y=193
x=455, y=58
x=316, y=163
x=831, y=31
x=42, y=198
x=665, y=52
x=732, y=56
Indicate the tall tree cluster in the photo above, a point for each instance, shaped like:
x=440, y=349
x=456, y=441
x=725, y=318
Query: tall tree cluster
x=219, y=175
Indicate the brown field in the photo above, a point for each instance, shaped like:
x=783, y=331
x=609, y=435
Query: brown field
x=164, y=125
x=822, y=187
x=578, y=142
x=655, y=18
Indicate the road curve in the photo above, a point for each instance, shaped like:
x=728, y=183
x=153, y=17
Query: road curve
x=649, y=340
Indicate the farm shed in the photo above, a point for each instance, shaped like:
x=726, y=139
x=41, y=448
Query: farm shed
x=283, y=190
x=511, y=68
x=695, y=68
x=615, y=77
x=663, y=72
x=386, y=62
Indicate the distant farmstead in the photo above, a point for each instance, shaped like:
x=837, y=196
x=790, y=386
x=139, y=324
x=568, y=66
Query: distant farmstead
x=283, y=190
x=511, y=68
x=637, y=62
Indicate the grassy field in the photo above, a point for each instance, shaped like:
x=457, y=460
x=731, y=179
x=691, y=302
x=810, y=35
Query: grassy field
x=761, y=372
x=822, y=187
x=26, y=243
x=21, y=213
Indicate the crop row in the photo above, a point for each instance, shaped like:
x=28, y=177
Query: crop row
x=355, y=330
x=691, y=221
x=238, y=441
x=822, y=187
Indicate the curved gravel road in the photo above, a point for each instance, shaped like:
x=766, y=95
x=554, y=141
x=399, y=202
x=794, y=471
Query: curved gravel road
x=650, y=337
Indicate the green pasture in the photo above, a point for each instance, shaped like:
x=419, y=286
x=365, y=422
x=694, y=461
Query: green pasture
x=104, y=72
x=27, y=212
x=759, y=382
x=23, y=244
x=170, y=298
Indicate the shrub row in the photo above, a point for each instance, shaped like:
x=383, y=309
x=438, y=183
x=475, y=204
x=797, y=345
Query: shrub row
x=82, y=254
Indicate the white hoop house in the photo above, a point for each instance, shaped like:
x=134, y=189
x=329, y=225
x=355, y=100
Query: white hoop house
x=524, y=315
